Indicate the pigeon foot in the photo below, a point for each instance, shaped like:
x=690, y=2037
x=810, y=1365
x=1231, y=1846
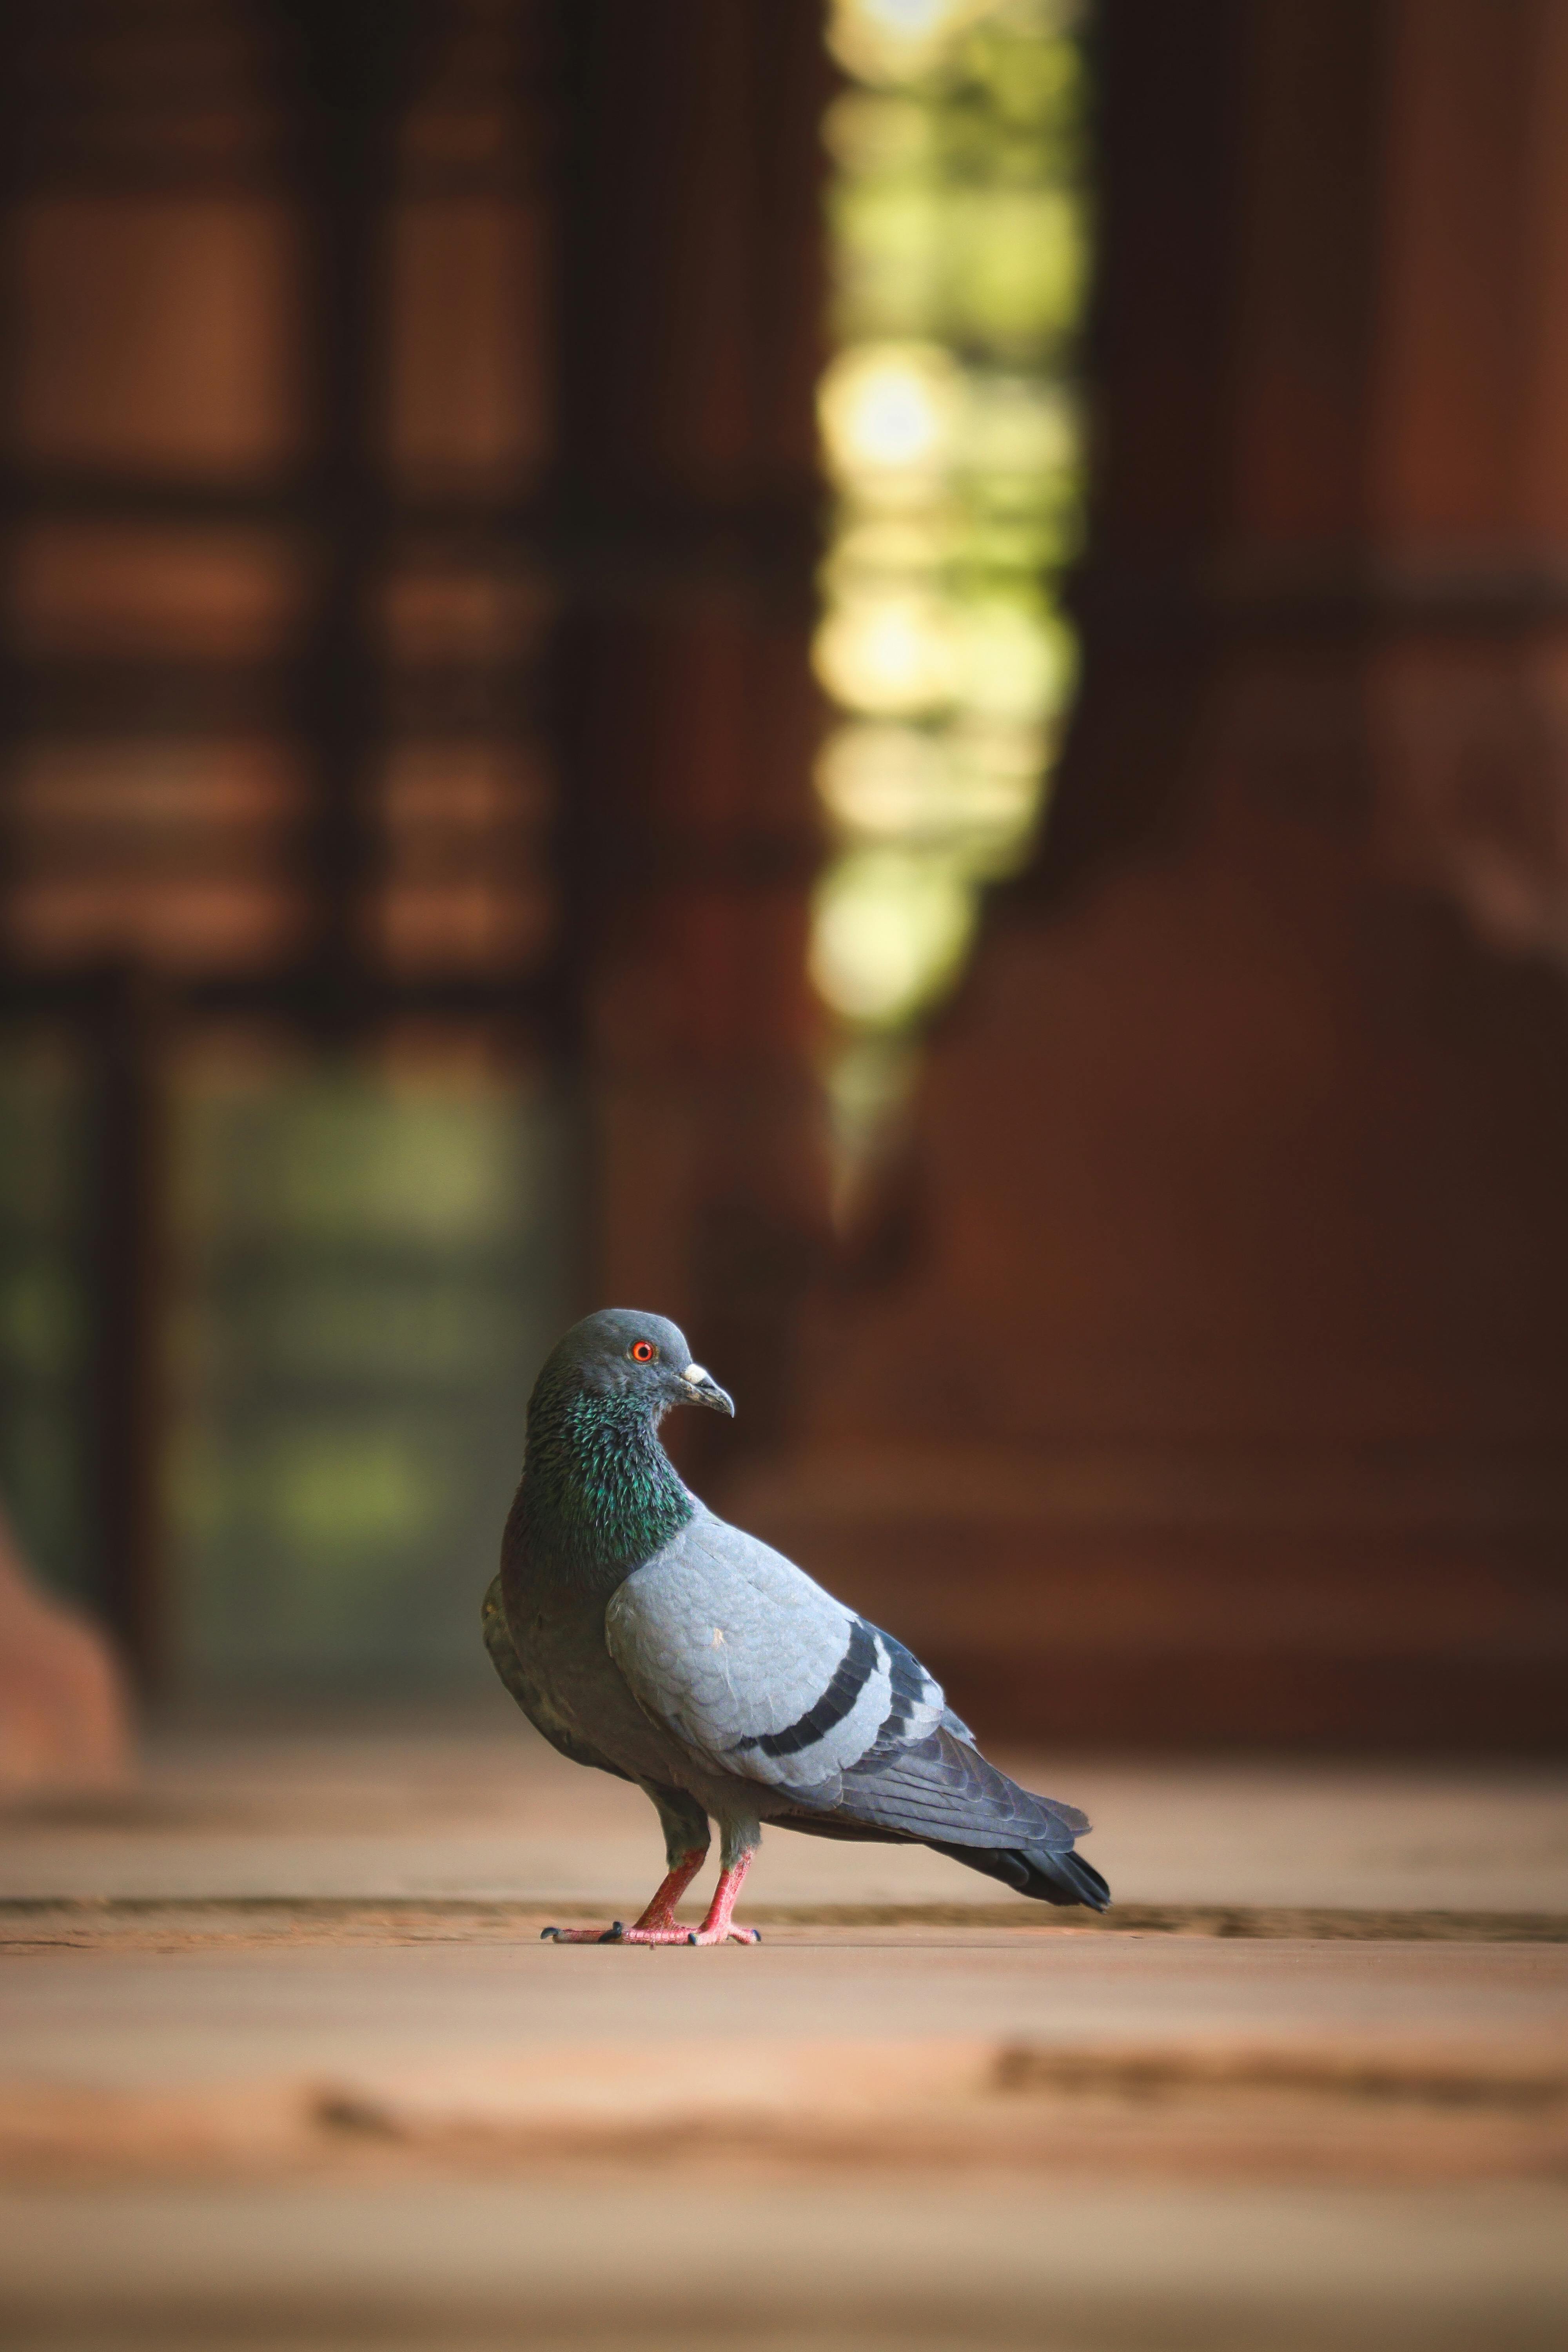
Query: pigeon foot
x=657, y=1925
x=717, y=1927
x=673, y=1934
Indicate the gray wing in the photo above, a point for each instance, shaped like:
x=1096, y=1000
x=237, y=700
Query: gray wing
x=757, y=1670
x=765, y=1676
x=762, y=1674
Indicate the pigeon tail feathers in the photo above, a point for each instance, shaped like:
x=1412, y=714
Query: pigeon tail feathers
x=1060, y=1878
x=943, y=1793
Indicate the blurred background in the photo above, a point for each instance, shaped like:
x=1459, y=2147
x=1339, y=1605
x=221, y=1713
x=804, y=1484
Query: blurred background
x=892, y=678
x=890, y=675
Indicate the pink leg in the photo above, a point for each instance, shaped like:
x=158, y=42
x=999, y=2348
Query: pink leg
x=660, y=1912
x=658, y=1925
x=716, y=1928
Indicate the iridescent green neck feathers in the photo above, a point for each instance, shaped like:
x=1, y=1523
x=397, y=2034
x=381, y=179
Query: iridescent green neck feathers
x=599, y=1493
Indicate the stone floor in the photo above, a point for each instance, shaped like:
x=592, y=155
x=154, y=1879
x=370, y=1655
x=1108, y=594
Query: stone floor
x=284, y=2061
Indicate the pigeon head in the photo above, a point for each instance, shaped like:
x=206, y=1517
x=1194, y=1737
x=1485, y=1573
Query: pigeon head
x=627, y=1358
x=599, y=1493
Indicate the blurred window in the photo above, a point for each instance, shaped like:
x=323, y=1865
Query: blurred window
x=372, y=1275
x=44, y=1305
x=280, y=1237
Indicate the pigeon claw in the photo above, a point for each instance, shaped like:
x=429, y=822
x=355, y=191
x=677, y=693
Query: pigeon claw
x=615, y=1933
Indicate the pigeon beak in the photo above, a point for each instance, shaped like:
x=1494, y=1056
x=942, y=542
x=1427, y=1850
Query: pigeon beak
x=703, y=1389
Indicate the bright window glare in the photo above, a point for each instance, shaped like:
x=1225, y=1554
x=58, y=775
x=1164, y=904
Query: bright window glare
x=951, y=435
x=890, y=37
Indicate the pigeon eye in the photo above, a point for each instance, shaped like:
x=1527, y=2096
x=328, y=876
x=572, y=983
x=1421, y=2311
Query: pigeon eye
x=643, y=1351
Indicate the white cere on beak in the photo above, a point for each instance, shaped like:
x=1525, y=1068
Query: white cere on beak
x=695, y=1374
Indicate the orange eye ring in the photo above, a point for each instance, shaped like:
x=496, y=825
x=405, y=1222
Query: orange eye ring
x=643, y=1351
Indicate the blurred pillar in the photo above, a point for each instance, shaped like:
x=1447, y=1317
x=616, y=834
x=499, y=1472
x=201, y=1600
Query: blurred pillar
x=1468, y=464
x=690, y=312
x=355, y=60
x=63, y=1720
x=1221, y=1393
x=130, y=1273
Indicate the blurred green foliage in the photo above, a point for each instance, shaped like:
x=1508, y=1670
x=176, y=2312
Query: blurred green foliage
x=371, y=1275
x=43, y=1335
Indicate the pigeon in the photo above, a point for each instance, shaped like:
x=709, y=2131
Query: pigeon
x=642, y=1635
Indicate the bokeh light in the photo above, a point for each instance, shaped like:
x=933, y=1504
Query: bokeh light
x=895, y=651
x=895, y=38
x=891, y=928
x=890, y=413
x=951, y=435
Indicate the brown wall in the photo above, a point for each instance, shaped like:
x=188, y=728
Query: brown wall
x=1220, y=1394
